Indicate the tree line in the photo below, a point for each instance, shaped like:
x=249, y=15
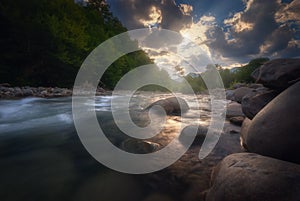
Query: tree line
x=43, y=43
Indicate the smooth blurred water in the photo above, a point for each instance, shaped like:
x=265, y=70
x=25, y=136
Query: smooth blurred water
x=42, y=157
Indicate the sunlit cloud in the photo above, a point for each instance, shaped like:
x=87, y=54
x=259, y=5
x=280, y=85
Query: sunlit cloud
x=186, y=9
x=288, y=12
x=154, y=19
x=252, y=29
x=238, y=24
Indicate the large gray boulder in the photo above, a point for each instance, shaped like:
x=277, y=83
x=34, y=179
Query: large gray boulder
x=252, y=177
x=278, y=74
x=239, y=93
x=172, y=105
x=252, y=103
x=275, y=130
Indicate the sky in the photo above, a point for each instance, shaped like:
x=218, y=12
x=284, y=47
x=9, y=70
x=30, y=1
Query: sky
x=231, y=32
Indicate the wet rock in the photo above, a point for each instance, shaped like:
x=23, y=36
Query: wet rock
x=172, y=105
x=139, y=146
x=274, y=131
x=187, y=134
x=248, y=176
x=252, y=103
x=278, y=74
x=237, y=120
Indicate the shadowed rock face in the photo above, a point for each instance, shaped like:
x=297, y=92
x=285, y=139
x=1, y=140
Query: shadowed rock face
x=172, y=105
x=252, y=177
x=240, y=93
x=252, y=103
x=275, y=130
x=278, y=74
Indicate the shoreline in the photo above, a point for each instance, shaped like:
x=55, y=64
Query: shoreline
x=10, y=92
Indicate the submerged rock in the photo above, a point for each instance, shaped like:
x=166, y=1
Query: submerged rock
x=172, y=105
x=139, y=146
x=251, y=177
x=186, y=134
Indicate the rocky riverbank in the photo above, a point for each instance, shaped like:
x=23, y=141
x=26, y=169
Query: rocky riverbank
x=270, y=132
x=9, y=92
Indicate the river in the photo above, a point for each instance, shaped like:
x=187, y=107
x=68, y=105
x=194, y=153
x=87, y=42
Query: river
x=42, y=157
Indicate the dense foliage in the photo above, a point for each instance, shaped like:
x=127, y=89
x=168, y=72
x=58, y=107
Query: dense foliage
x=229, y=77
x=45, y=42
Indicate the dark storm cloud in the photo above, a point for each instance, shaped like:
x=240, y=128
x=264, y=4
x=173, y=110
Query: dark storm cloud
x=131, y=12
x=254, y=32
x=260, y=15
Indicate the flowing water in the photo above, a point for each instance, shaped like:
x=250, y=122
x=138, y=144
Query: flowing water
x=42, y=157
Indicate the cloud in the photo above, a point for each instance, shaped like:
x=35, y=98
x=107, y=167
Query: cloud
x=143, y=13
x=230, y=32
x=263, y=28
x=288, y=12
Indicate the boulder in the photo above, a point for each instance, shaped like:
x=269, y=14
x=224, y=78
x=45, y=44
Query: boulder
x=172, y=105
x=237, y=120
x=278, y=74
x=251, y=177
x=139, y=146
x=252, y=103
x=234, y=109
x=240, y=93
x=230, y=95
x=244, y=132
x=275, y=130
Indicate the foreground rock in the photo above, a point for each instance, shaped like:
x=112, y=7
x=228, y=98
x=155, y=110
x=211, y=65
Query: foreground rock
x=253, y=102
x=251, y=177
x=278, y=74
x=275, y=130
x=172, y=105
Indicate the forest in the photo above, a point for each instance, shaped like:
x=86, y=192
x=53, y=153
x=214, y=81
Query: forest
x=44, y=43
